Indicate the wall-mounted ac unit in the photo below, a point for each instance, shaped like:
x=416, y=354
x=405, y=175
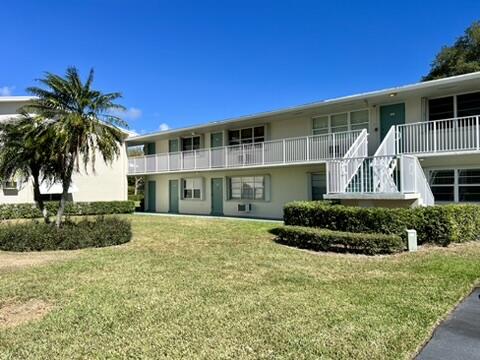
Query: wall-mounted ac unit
x=244, y=208
x=10, y=185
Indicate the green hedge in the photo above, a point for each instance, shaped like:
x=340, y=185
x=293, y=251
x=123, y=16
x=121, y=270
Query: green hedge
x=434, y=224
x=30, y=211
x=328, y=240
x=37, y=236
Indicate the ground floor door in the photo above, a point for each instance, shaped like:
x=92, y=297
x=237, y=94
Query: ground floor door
x=391, y=115
x=173, y=196
x=151, y=203
x=217, y=196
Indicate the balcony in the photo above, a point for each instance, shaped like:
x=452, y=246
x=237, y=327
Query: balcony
x=457, y=135
x=298, y=150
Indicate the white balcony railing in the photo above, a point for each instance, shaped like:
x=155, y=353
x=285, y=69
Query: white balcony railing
x=306, y=149
x=439, y=136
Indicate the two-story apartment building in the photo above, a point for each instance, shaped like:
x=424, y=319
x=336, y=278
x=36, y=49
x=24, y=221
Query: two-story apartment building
x=108, y=183
x=405, y=146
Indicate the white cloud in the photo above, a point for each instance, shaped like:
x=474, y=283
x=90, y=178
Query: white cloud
x=132, y=113
x=164, y=127
x=6, y=90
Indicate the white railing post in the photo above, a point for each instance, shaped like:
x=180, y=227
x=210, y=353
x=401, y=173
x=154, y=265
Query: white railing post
x=333, y=145
x=434, y=136
x=226, y=156
x=181, y=160
x=284, y=158
x=209, y=158
x=168, y=161
x=263, y=153
x=243, y=155
x=308, y=148
x=327, y=173
x=477, y=134
x=194, y=159
x=145, y=158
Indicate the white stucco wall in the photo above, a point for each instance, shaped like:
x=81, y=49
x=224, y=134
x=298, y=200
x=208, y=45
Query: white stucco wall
x=285, y=184
x=108, y=183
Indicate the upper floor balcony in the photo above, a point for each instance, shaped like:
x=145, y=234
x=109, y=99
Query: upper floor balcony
x=291, y=151
x=439, y=137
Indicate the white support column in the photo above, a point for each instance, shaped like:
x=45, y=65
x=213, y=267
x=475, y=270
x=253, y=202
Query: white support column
x=284, y=158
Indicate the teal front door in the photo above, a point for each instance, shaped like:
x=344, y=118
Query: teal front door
x=216, y=140
x=173, y=196
x=391, y=115
x=217, y=196
x=151, y=204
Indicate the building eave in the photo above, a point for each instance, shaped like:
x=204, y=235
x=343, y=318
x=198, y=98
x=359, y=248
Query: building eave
x=318, y=104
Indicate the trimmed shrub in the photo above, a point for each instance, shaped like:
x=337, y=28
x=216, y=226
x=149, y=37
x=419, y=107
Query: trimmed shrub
x=328, y=240
x=435, y=224
x=36, y=236
x=30, y=211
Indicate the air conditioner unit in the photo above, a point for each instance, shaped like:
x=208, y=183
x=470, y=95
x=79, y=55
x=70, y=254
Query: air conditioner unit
x=10, y=185
x=244, y=208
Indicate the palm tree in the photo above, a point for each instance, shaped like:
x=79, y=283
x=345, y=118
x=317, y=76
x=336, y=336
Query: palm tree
x=22, y=158
x=80, y=123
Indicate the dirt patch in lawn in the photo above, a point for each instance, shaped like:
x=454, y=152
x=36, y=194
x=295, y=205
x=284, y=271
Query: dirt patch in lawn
x=13, y=261
x=16, y=313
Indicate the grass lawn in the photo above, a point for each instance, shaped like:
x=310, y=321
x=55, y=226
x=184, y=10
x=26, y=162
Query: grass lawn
x=213, y=289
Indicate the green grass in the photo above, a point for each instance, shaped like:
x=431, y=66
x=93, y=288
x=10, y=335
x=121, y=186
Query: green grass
x=213, y=289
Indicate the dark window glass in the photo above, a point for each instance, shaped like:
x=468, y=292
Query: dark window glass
x=442, y=177
x=319, y=186
x=191, y=143
x=259, y=131
x=443, y=193
x=469, y=176
x=187, y=144
x=469, y=193
x=247, y=133
x=440, y=108
x=234, y=137
x=468, y=104
x=196, y=143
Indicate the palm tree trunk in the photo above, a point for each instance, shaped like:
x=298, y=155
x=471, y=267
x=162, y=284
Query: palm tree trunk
x=38, y=197
x=63, y=201
x=66, y=181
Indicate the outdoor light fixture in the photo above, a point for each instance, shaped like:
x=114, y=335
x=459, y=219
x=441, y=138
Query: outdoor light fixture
x=392, y=94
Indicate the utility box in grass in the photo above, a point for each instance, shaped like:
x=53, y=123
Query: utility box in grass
x=412, y=240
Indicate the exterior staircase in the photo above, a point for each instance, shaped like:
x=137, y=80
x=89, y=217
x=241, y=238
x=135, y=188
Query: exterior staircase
x=384, y=176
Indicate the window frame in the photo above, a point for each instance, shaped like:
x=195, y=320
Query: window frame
x=182, y=139
x=192, y=189
x=455, y=107
x=252, y=128
x=456, y=185
x=349, y=121
x=242, y=198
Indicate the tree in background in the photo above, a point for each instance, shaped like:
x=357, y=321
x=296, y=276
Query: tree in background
x=462, y=57
x=136, y=182
x=21, y=157
x=76, y=123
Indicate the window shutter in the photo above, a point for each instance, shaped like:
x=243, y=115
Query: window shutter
x=268, y=188
x=228, y=188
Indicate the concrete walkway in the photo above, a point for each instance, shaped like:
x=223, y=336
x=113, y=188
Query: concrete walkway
x=210, y=217
x=458, y=337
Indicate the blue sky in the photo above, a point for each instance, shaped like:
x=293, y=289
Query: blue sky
x=179, y=63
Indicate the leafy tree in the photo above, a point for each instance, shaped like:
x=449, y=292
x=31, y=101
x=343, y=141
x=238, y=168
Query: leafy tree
x=462, y=57
x=21, y=158
x=79, y=123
